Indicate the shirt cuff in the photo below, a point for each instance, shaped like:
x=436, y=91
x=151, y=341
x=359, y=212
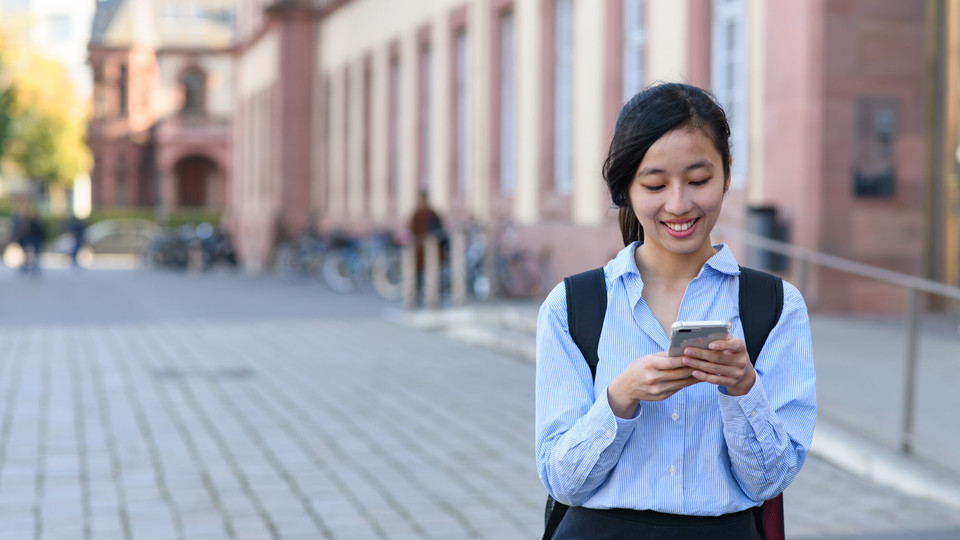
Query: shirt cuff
x=616, y=428
x=747, y=413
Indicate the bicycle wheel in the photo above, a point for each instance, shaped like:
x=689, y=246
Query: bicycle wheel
x=339, y=272
x=387, y=274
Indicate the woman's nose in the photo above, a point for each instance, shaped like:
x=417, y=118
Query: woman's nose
x=677, y=202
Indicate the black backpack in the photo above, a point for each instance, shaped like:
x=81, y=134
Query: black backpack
x=761, y=302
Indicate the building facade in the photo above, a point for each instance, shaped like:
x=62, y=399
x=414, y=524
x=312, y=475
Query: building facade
x=162, y=99
x=503, y=110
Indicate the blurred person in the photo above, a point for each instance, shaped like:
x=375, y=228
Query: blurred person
x=76, y=227
x=33, y=232
x=18, y=232
x=658, y=446
x=425, y=222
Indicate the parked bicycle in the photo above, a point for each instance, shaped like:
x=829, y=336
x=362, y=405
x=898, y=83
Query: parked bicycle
x=301, y=257
x=207, y=245
x=516, y=271
x=375, y=259
x=519, y=272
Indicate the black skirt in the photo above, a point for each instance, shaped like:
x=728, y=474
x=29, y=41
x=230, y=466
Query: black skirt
x=617, y=524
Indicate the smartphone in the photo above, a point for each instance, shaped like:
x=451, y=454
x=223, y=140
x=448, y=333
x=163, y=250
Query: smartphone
x=697, y=334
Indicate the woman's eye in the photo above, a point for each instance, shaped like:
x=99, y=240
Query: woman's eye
x=654, y=188
x=700, y=182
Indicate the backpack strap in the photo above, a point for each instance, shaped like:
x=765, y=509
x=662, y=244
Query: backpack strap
x=586, y=306
x=758, y=315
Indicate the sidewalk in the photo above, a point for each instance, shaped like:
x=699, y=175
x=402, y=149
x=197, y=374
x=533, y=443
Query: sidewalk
x=159, y=406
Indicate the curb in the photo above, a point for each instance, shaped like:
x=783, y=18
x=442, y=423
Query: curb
x=882, y=465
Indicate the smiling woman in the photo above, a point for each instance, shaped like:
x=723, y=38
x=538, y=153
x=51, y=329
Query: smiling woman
x=650, y=445
x=677, y=194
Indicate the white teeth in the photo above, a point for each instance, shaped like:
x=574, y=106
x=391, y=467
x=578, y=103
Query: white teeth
x=680, y=227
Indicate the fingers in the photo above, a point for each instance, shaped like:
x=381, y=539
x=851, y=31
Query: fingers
x=723, y=364
x=726, y=351
x=665, y=389
x=659, y=367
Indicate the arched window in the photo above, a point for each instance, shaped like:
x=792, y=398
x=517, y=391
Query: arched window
x=194, y=82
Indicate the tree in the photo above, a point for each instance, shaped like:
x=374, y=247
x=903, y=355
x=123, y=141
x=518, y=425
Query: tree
x=45, y=121
x=6, y=100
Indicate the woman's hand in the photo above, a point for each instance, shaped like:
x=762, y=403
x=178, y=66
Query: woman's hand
x=725, y=363
x=651, y=378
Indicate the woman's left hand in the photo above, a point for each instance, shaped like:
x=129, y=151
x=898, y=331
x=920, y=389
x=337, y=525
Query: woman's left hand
x=726, y=363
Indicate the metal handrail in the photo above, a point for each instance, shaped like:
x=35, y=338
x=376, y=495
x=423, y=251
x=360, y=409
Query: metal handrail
x=913, y=285
x=841, y=264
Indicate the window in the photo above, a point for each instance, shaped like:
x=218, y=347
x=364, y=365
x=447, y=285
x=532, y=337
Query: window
x=345, y=170
x=122, y=83
x=121, y=188
x=507, y=103
x=634, y=46
x=60, y=27
x=728, y=60
x=462, y=112
x=423, y=154
x=393, y=129
x=99, y=101
x=366, y=126
x=563, y=101
x=15, y=5
x=194, y=83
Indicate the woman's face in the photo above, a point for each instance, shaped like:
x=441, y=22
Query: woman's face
x=677, y=192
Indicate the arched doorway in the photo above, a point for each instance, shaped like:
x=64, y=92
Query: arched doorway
x=198, y=182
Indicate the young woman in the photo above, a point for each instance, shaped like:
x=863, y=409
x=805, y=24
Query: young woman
x=655, y=446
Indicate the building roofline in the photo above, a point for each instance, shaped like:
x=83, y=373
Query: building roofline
x=102, y=17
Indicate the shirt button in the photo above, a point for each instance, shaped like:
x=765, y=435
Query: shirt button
x=673, y=470
x=753, y=413
x=675, y=416
x=608, y=433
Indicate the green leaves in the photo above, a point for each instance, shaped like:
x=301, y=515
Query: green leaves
x=42, y=121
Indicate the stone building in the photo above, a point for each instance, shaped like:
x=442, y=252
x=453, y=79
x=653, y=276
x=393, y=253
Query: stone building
x=503, y=110
x=162, y=98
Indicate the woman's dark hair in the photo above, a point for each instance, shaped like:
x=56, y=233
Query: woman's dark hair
x=649, y=115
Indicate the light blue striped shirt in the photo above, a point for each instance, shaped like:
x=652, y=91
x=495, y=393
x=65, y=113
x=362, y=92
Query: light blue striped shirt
x=699, y=452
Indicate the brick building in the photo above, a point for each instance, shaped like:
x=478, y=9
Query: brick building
x=162, y=97
x=503, y=110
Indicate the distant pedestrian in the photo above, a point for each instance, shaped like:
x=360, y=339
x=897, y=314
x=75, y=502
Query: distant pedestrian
x=76, y=228
x=33, y=235
x=425, y=222
x=656, y=446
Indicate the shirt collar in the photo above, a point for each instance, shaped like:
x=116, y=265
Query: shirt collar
x=625, y=265
x=722, y=261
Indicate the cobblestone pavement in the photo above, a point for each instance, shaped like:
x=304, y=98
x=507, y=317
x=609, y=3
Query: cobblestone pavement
x=285, y=412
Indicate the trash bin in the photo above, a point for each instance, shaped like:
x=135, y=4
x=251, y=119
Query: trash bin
x=762, y=220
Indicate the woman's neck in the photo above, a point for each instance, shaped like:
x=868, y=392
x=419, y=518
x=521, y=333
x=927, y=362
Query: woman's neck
x=666, y=268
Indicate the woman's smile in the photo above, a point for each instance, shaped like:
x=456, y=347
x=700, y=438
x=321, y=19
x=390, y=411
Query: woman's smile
x=681, y=228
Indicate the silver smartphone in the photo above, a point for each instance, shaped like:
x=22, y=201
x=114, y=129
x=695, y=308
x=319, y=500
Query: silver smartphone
x=697, y=334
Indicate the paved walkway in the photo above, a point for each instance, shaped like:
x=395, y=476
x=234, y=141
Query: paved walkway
x=162, y=406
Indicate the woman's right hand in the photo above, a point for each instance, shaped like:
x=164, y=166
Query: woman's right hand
x=652, y=378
